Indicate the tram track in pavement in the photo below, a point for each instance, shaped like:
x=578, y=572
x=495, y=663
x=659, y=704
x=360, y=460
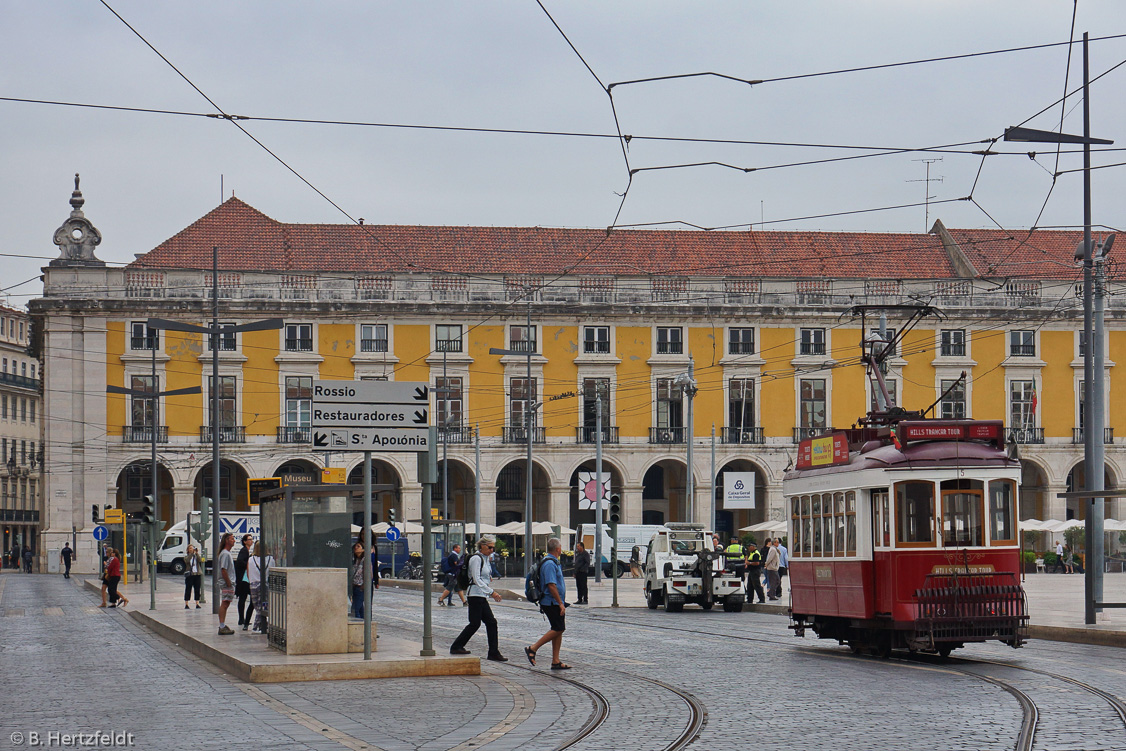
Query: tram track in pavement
x=601, y=712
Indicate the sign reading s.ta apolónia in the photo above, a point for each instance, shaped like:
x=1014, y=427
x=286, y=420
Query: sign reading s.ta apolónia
x=371, y=416
x=738, y=490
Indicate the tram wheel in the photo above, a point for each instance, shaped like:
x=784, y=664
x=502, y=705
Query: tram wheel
x=856, y=647
x=945, y=650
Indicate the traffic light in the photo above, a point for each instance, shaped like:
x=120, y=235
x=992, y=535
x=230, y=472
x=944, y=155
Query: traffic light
x=148, y=510
x=391, y=515
x=615, y=509
x=95, y=514
x=205, y=512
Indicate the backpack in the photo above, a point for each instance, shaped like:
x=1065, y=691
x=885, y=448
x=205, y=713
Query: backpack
x=462, y=575
x=446, y=565
x=533, y=591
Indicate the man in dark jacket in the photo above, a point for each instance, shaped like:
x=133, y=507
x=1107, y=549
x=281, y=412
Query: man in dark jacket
x=242, y=583
x=582, y=571
x=754, y=574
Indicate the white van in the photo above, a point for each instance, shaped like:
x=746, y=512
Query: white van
x=170, y=554
x=628, y=536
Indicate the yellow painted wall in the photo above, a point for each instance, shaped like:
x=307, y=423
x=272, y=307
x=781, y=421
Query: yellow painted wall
x=849, y=397
x=777, y=393
x=917, y=387
x=989, y=396
x=336, y=342
x=1057, y=384
x=116, y=404
x=184, y=414
x=634, y=406
x=1116, y=405
x=560, y=346
x=706, y=346
x=261, y=397
x=487, y=400
x=412, y=345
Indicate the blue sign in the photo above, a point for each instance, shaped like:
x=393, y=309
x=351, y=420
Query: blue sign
x=100, y=533
x=393, y=533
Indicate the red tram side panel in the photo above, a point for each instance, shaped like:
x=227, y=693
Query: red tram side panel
x=844, y=589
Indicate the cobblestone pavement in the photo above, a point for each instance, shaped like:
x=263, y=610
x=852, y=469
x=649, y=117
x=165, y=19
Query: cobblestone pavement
x=80, y=668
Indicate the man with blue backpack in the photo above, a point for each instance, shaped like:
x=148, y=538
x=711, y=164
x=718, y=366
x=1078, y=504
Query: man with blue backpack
x=545, y=583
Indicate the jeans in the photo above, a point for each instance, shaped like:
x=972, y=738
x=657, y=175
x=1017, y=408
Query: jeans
x=358, y=600
x=479, y=612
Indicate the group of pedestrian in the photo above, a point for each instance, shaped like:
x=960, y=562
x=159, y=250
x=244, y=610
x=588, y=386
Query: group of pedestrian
x=1065, y=559
x=451, y=567
x=358, y=576
x=773, y=562
x=552, y=604
x=242, y=577
x=111, y=578
x=20, y=558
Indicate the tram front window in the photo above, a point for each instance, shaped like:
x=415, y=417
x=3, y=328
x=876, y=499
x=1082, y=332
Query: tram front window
x=914, y=512
x=1002, y=525
x=962, y=522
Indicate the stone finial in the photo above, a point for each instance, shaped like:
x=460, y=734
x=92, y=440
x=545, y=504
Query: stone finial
x=77, y=237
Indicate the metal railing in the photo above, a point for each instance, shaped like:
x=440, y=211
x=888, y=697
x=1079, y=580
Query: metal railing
x=294, y=434
x=743, y=435
x=666, y=435
x=590, y=435
x=800, y=434
x=456, y=433
x=447, y=345
x=813, y=348
x=740, y=348
x=1026, y=435
x=11, y=379
x=670, y=348
x=143, y=434
x=965, y=607
x=276, y=606
x=522, y=345
x=227, y=434
x=373, y=345
x=1077, y=435
x=596, y=347
x=1022, y=350
x=520, y=435
x=298, y=345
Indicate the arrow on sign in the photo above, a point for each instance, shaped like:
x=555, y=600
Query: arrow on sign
x=320, y=439
x=421, y=394
x=420, y=417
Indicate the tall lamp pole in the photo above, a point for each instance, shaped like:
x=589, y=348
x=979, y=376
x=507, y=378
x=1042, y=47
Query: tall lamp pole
x=1094, y=375
x=687, y=384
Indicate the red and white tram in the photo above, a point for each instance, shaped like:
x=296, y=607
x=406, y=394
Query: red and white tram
x=903, y=534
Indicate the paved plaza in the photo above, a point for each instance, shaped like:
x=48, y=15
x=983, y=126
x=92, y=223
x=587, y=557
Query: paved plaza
x=73, y=667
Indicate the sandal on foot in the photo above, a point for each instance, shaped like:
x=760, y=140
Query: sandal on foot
x=531, y=653
x=560, y=666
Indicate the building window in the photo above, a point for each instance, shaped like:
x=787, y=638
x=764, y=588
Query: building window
x=299, y=337
x=23, y=369
x=142, y=337
x=741, y=342
x=813, y=414
x=4, y=406
x=449, y=400
x=142, y=408
x=447, y=338
x=298, y=401
x=670, y=340
x=812, y=342
x=1022, y=343
x=953, y=343
x=741, y=403
x=592, y=388
x=523, y=393
x=893, y=392
x=953, y=404
x=1022, y=404
x=596, y=340
x=522, y=338
x=33, y=371
x=373, y=337
x=670, y=404
x=23, y=409
x=889, y=338
x=226, y=338
x=23, y=452
x=225, y=393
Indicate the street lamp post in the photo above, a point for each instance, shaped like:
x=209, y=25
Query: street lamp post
x=1093, y=372
x=529, y=427
x=687, y=384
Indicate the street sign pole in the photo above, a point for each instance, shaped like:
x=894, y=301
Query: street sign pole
x=598, y=482
x=367, y=555
x=427, y=475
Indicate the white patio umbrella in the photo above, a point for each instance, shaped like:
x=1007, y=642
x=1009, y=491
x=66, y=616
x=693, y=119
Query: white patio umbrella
x=407, y=528
x=1113, y=525
x=512, y=528
x=768, y=526
x=486, y=529
x=1055, y=525
x=548, y=528
x=1031, y=525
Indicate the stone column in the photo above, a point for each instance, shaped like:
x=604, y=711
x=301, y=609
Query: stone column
x=631, y=504
x=488, y=505
x=412, y=501
x=559, y=506
x=183, y=502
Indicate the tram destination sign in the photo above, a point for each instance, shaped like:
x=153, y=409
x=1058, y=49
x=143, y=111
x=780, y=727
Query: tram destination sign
x=952, y=430
x=371, y=416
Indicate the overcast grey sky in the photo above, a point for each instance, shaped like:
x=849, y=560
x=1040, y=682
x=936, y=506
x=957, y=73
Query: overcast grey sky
x=504, y=65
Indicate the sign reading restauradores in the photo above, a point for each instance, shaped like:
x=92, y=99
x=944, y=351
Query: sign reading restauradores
x=824, y=451
x=371, y=416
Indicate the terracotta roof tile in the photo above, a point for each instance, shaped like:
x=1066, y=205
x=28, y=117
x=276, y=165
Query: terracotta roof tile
x=251, y=241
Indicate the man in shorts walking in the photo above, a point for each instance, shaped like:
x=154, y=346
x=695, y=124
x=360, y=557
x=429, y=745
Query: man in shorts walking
x=553, y=605
x=225, y=570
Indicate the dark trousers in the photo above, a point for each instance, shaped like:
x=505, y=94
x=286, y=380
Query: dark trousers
x=754, y=585
x=245, y=609
x=479, y=612
x=781, y=572
x=111, y=587
x=66, y=574
x=580, y=587
x=358, y=600
x=192, y=582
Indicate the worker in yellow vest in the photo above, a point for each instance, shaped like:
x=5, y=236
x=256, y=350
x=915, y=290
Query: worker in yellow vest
x=754, y=574
x=734, y=555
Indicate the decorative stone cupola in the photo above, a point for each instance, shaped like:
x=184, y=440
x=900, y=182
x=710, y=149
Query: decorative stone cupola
x=77, y=237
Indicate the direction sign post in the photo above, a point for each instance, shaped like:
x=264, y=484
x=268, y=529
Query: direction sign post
x=100, y=533
x=393, y=534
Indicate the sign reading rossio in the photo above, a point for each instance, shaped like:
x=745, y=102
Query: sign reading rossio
x=371, y=416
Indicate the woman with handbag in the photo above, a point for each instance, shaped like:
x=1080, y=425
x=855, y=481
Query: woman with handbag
x=193, y=576
x=113, y=578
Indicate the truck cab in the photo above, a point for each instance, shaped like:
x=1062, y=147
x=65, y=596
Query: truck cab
x=682, y=566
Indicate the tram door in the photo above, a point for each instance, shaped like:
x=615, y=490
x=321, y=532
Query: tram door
x=881, y=544
x=881, y=518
